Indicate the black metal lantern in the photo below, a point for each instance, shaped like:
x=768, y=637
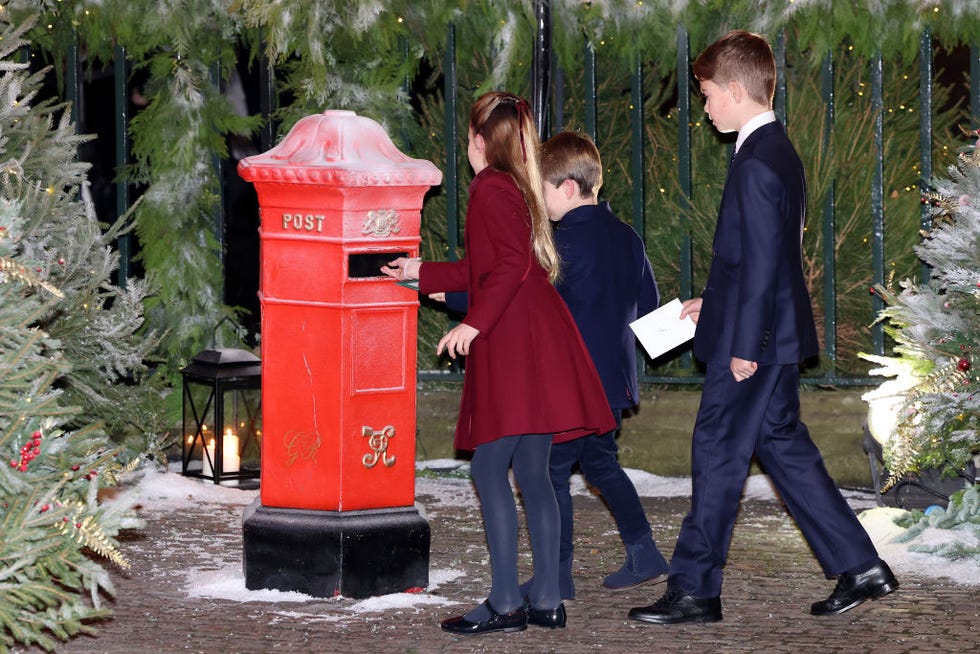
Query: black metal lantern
x=222, y=415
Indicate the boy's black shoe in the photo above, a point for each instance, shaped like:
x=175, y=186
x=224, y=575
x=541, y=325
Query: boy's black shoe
x=853, y=589
x=676, y=607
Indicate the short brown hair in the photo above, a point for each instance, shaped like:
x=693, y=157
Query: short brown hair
x=569, y=155
x=743, y=57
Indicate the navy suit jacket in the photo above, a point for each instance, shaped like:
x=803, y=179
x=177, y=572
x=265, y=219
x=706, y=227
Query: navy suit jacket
x=607, y=282
x=755, y=305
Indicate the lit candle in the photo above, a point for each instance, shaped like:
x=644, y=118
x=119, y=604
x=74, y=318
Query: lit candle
x=230, y=461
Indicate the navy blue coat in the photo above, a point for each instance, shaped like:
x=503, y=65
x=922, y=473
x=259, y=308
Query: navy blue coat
x=755, y=305
x=607, y=282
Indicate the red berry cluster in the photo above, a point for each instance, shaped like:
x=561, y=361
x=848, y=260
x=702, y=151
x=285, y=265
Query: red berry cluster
x=30, y=450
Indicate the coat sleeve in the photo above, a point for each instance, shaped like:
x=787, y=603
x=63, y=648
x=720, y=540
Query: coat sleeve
x=759, y=194
x=501, y=224
x=443, y=276
x=649, y=295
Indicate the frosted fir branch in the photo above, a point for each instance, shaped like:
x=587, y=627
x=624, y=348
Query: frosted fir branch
x=187, y=80
x=13, y=40
x=503, y=48
x=367, y=14
x=88, y=531
x=175, y=189
x=13, y=270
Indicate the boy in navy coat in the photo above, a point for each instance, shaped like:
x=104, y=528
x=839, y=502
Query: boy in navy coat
x=754, y=328
x=607, y=282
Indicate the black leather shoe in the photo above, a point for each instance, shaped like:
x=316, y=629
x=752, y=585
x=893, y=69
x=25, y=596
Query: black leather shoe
x=676, y=607
x=852, y=589
x=551, y=618
x=516, y=620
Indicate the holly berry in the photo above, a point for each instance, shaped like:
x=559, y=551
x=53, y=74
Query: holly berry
x=963, y=365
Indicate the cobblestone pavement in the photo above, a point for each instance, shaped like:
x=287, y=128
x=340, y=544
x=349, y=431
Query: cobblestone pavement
x=771, y=580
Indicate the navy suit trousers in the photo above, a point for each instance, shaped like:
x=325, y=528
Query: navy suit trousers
x=759, y=416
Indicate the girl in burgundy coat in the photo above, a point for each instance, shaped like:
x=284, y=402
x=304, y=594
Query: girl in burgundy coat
x=529, y=379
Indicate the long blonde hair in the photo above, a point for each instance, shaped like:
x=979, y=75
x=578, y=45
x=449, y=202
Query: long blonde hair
x=512, y=146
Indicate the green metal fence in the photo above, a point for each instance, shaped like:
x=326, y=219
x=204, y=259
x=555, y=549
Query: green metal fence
x=828, y=376
x=555, y=96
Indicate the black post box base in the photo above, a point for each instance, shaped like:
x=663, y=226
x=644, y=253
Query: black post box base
x=356, y=554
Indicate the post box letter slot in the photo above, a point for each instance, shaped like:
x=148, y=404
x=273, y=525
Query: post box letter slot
x=368, y=264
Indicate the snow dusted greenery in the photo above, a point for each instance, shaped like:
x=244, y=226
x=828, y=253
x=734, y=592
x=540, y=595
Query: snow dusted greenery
x=70, y=356
x=364, y=55
x=935, y=421
x=962, y=515
x=928, y=414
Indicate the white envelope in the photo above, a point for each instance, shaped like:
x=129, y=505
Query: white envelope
x=662, y=330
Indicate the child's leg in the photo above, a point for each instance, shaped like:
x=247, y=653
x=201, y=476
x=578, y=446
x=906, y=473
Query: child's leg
x=489, y=469
x=601, y=468
x=563, y=458
x=600, y=465
x=544, y=524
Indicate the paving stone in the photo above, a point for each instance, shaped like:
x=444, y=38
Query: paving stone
x=770, y=581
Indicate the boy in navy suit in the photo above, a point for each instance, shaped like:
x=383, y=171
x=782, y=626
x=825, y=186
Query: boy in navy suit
x=754, y=328
x=607, y=282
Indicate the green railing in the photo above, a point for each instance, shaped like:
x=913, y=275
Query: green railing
x=593, y=112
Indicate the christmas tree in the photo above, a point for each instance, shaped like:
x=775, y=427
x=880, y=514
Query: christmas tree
x=928, y=415
x=70, y=351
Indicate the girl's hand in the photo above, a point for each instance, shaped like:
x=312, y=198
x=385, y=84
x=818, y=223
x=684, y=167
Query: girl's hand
x=457, y=340
x=403, y=268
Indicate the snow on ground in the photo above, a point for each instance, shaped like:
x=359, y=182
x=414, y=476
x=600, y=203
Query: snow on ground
x=159, y=491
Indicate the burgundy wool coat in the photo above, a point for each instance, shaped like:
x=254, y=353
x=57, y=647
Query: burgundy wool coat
x=528, y=371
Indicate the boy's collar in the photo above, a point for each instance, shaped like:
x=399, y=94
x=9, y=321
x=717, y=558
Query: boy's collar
x=753, y=124
x=577, y=211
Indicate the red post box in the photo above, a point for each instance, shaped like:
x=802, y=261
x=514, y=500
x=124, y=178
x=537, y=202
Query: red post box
x=338, y=200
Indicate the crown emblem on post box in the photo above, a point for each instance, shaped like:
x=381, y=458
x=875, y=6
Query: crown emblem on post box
x=381, y=223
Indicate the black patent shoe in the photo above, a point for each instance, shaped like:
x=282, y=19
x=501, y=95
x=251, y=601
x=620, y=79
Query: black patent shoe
x=516, y=620
x=676, y=607
x=853, y=589
x=551, y=618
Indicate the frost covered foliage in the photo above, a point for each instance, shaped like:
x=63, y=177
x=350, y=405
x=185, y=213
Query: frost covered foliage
x=962, y=515
x=51, y=230
x=935, y=390
x=60, y=342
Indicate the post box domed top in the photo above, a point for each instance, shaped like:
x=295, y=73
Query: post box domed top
x=338, y=148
